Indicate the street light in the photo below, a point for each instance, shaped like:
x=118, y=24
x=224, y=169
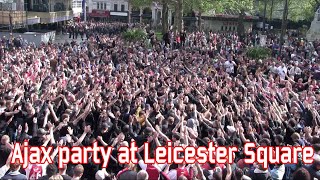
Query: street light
x=156, y=15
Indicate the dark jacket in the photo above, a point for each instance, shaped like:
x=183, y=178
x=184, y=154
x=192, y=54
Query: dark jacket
x=15, y=175
x=313, y=171
x=261, y=175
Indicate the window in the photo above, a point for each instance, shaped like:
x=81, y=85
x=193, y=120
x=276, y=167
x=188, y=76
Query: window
x=234, y=28
x=230, y=28
x=98, y=5
x=115, y=7
x=122, y=7
x=105, y=6
x=76, y=4
x=221, y=28
x=226, y=28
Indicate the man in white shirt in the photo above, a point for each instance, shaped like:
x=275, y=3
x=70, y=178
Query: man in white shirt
x=295, y=71
x=282, y=71
x=273, y=68
x=229, y=66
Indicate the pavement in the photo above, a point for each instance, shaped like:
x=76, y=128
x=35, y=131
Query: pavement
x=62, y=38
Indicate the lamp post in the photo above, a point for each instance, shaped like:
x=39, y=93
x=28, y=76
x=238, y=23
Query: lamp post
x=156, y=16
x=84, y=10
x=26, y=9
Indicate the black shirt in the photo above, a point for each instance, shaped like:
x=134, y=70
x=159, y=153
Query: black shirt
x=4, y=151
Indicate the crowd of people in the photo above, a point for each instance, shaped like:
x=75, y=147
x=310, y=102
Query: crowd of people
x=83, y=30
x=202, y=89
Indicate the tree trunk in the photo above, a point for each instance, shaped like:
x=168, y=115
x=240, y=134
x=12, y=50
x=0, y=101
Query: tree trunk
x=180, y=15
x=165, y=14
x=129, y=11
x=241, y=30
x=199, y=21
x=317, y=5
x=284, y=24
x=141, y=13
x=271, y=9
x=264, y=15
x=176, y=19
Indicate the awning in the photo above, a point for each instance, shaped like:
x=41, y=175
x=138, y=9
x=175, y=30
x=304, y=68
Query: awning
x=119, y=13
x=31, y=21
x=99, y=13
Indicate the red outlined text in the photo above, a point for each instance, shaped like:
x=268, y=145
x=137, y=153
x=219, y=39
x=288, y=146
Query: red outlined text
x=25, y=154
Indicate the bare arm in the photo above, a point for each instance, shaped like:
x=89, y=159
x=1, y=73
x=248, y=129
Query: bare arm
x=86, y=130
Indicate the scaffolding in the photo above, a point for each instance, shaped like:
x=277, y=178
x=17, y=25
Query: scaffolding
x=12, y=15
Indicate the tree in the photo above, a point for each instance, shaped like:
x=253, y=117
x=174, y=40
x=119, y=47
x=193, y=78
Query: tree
x=165, y=14
x=271, y=8
x=264, y=14
x=240, y=6
x=165, y=10
x=297, y=9
x=139, y=4
x=284, y=23
x=302, y=10
x=201, y=6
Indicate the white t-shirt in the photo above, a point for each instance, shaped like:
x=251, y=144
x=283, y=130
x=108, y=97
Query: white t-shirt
x=3, y=170
x=295, y=71
x=229, y=66
x=282, y=71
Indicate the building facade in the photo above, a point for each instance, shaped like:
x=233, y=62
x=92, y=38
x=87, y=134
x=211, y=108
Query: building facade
x=16, y=14
x=77, y=8
x=108, y=10
x=227, y=21
x=12, y=13
x=50, y=11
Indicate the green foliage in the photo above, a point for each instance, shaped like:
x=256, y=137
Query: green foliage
x=140, y=3
x=159, y=35
x=298, y=10
x=236, y=5
x=200, y=5
x=132, y=35
x=301, y=10
x=259, y=53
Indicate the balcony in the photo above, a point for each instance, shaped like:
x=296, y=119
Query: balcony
x=51, y=17
x=17, y=17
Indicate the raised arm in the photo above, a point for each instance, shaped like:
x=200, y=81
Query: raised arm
x=87, y=129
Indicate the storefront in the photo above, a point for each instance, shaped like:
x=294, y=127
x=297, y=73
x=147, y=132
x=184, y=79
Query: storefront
x=225, y=23
x=118, y=16
x=99, y=15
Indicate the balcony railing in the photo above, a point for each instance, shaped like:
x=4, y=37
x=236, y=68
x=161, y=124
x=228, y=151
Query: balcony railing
x=51, y=17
